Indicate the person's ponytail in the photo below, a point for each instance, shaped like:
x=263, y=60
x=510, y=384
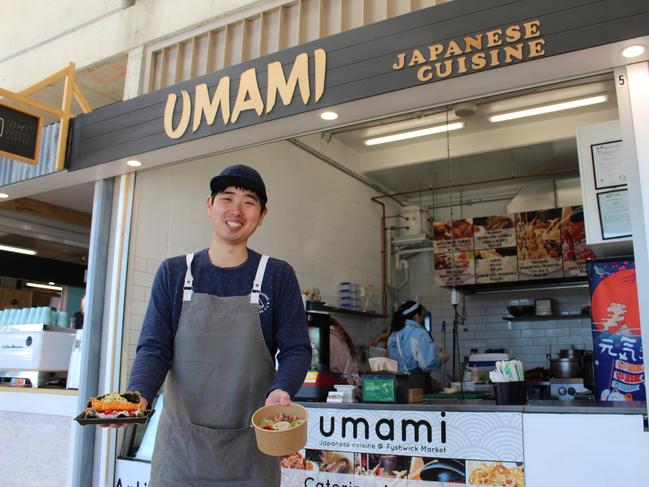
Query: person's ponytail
x=406, y=311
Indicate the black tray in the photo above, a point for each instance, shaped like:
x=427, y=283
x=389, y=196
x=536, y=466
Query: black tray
x=146, y=414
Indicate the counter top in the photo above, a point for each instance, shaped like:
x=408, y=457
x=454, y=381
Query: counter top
x=479, y=405
x=48, y=401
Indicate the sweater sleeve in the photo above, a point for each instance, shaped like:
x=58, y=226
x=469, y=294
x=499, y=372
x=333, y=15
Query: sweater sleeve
x=155, y=346
x=290, y=334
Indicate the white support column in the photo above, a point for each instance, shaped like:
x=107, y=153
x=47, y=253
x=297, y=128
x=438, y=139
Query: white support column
x=632, y=83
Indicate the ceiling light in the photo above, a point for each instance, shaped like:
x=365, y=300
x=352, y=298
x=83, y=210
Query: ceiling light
x=633, y=51
x=329, y=115
x=555, y=107
x=51, y=283
x=17, y=250
x=411, y=134
x=133, y=163
x=44, y=286
x=4, y=195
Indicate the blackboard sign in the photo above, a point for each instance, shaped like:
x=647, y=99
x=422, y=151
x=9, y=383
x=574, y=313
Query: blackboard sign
x=20, y=134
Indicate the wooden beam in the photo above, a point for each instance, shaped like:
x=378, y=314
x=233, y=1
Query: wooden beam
x=32, y=103
x=47, y=81
x=47, y=210
x=81, y=98
x=66, y=106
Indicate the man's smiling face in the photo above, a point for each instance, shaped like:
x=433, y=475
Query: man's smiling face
x=235, y=213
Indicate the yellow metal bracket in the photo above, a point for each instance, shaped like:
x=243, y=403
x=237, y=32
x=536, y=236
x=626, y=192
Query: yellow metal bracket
x=71, y=90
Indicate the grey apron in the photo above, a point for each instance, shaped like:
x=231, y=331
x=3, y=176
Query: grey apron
x=220, y=374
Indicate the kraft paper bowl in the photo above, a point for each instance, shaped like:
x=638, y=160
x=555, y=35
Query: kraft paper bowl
x=280, y=443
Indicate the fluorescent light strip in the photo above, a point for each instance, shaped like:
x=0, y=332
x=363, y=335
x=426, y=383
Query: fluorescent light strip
x=17, y=250
x=556, y=107
x=437, y=129
x=44, y=286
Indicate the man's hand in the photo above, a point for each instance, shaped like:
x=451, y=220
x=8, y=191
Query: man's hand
x=278, y=396
x=443, y=356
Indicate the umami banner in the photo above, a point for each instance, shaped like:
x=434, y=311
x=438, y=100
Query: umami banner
x=360, y=447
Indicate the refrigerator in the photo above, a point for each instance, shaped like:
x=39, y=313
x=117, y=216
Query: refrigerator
x=615, y=316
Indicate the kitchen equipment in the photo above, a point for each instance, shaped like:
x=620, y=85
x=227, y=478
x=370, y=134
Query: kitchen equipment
x=568, y=389
x=543, y=307
x=511, y=392
x=74, y=369
x=385, y=387
x=564, y=367
x=483, y=364
x=414, y=221
x=37, y=353
x=520, y=310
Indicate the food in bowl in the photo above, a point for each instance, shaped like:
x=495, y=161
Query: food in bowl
x=280, y=422
x=115, y=405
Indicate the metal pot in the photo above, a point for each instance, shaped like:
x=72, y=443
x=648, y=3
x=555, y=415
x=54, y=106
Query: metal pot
x=565, y=367
x=573, y=354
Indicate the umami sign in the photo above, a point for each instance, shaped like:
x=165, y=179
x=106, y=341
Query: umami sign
x=204, y=108
x=20, y=134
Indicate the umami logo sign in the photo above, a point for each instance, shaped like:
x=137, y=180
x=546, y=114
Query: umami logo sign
x=496, y=47
x=204, y=108
x=445, y=434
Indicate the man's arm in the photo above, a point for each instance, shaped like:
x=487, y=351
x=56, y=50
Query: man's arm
x=291, y=337
x=155, y=346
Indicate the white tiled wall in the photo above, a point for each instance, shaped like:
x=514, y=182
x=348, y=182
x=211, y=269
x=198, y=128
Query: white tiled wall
x=320, y=220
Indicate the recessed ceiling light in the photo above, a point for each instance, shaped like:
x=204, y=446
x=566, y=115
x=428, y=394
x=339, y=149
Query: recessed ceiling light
x=4, y=195
x=17, y=250
x=43, y=286
x=411, y=134
x=329, y=115
x=555, y=107
x=51, y=283
x=133, y=163
x=633, y=51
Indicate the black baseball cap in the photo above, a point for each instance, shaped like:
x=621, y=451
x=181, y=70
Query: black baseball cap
x=240, y=176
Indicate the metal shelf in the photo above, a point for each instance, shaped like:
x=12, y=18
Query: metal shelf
x=343, y=311
x=576, y=316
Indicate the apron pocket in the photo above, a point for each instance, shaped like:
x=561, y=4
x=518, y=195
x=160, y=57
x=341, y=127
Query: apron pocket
x=220, y=454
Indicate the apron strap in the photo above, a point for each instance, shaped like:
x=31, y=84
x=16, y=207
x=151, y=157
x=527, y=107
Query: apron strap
x=189, y=279
x=259, y=278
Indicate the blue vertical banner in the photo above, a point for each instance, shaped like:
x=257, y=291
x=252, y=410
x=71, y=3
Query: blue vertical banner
x=617, y=344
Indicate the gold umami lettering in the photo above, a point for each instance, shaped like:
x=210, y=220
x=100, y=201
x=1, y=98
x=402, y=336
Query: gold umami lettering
x=209, y=107
x=183, y=123
x=320, y=58
x=277, y=83
x=248, y=96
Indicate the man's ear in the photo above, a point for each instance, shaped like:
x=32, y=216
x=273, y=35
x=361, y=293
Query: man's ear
x=262, y=215
x=210, y=201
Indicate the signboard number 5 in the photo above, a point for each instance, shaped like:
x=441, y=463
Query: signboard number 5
x=620, y=80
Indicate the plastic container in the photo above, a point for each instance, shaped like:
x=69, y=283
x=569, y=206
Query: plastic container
x=511, y=392
x=280, y=443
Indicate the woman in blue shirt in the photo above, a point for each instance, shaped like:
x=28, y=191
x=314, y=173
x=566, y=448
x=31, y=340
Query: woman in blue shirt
x=412, y=346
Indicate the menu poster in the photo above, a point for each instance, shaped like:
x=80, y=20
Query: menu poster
x=573, y=242
x=538, y=243
x=455, y=268
x=496, y=265
x=494, y=232
x=453, y=236
x=608, y=164
x=614, y=214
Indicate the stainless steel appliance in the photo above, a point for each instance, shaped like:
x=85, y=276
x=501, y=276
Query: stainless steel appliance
x=33, y=355
x=569, y=389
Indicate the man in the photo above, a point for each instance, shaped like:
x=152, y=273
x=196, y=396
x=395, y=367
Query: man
x=215, y=320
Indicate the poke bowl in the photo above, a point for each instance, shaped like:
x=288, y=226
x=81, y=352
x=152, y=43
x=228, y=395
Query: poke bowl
x=280, y=430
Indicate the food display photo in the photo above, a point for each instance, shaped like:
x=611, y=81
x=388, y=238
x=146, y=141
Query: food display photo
x=428, y=472
x=495, y=474
x=114, y=408
x=455, y=268
x=538, y=242
x=333, y=466
x=573, y=242
x=493, y=232
x=453, y=236
x=496, y=265
x=391, y=469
